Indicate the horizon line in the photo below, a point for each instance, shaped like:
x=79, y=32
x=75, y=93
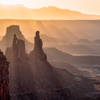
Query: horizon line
x=49, y=19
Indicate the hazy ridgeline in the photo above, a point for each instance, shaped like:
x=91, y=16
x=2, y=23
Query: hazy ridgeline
x=66, y=76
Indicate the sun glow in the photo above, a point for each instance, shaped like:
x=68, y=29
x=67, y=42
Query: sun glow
x=26, y=3
x=9, y=2
x=85, y=6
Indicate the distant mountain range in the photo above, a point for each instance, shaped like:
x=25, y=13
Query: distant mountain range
x=55, y=55
x=45, y=13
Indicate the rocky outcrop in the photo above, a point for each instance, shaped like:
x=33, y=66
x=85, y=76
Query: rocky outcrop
x=4, y=78
x=18, y=48
x=17, y=51
x=46, y=82
x=38, y=52
x=32, y=74
x=21, y=77
x=8, y=38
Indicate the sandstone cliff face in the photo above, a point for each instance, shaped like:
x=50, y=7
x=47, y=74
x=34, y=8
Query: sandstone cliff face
x=4, y=78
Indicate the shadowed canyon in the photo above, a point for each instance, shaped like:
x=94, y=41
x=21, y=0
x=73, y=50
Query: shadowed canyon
x=61, y=67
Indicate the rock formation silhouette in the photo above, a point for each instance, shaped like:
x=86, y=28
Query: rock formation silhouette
x=33, y=77
x=21, y=77
x=8, y=38
x=46, y=82
x=38, y=50
x=32, y=74
x=4, y=78
x=18, y=47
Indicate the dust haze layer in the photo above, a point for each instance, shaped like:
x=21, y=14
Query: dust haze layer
x=45, y=13
x=76, y=29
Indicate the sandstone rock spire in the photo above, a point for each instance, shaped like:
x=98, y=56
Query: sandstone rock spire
x=46, y=82
x=38, y=50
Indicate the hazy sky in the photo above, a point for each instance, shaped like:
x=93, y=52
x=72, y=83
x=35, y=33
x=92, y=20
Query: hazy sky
x=87, y=6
